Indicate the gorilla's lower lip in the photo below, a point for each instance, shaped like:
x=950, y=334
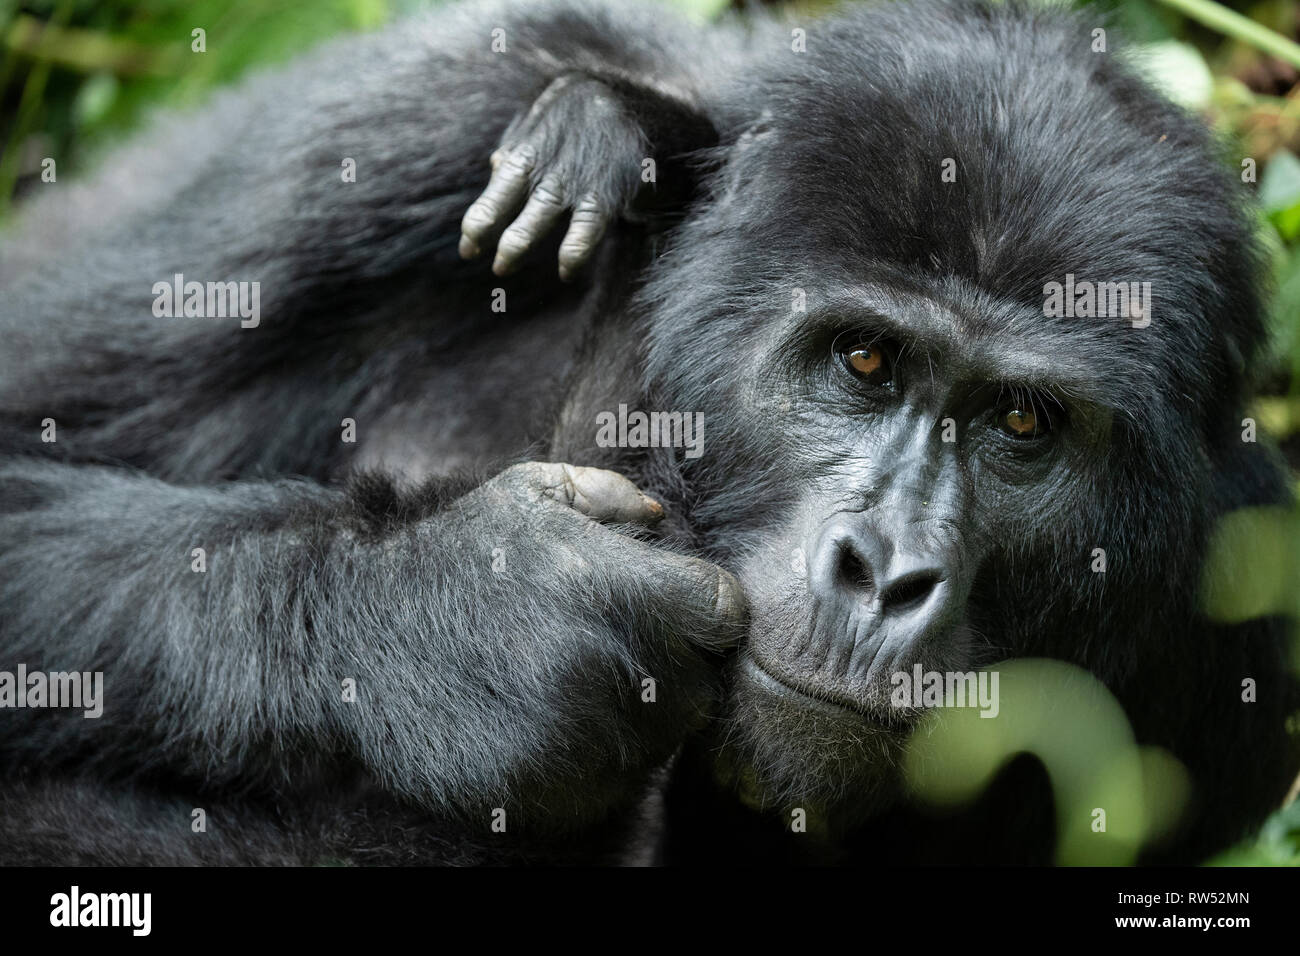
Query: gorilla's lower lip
x=830, y=703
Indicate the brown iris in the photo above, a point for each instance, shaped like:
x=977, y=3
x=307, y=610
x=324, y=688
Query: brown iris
x=868, y=361
x=1020, y=423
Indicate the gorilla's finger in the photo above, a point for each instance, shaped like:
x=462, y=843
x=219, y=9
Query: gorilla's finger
x=608, y=496
x=603, y=495
x=600, y=494
x=504, y=193
x=544, y=208
x=704, y=594
x=589, y=223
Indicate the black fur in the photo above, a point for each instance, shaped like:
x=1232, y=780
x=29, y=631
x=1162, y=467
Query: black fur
x=519, y=687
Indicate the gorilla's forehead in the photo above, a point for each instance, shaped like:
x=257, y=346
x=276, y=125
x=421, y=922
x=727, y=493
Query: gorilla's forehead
x=1064, y=169
x=1012, y=158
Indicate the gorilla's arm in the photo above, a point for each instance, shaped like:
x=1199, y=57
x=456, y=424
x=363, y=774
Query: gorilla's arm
x=497, y=637
x=476, y=633
x=254, y=190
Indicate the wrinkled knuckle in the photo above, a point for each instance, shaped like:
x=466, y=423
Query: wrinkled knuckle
x=568, y=486
x=514, y=241
x=534, y=474
x=588, y=208
x=575, y=251
x=521, y=159
x=549, y=192
x=480, y=215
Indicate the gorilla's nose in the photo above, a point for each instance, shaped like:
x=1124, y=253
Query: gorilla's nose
x=902, y=580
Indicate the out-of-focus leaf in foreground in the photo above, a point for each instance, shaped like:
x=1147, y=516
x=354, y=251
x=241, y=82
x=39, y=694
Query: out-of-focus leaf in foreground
x=1111, y=795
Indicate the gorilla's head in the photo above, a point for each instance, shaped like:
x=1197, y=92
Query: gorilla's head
x=910, y=460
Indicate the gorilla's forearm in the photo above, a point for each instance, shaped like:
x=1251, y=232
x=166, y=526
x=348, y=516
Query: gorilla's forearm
x=317, y=628
x=99, y=573
x=496, y=648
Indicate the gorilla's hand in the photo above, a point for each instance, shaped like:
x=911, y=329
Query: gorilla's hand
x=538, y=693
x=577, y=148
x=583, y=146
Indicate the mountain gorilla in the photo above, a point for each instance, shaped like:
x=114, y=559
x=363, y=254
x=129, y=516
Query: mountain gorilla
x=380, y=566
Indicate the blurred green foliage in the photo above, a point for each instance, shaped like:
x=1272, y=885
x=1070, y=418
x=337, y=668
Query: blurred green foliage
x=76, y=75
x=1278, y=843
x=1111, y=795
x=1253, y=566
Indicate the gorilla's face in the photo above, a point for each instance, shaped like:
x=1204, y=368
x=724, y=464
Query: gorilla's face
x=899, y=439
x=910, y=458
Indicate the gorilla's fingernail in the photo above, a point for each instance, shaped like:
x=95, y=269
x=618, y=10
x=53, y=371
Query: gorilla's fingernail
x=655, y=508
x=468, y=248
x=501, y=266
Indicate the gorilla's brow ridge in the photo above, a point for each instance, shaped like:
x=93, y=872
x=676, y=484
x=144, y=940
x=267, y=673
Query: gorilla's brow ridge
x=1012, y=347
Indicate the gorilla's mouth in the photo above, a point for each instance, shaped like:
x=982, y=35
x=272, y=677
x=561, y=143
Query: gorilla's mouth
x=798, y=691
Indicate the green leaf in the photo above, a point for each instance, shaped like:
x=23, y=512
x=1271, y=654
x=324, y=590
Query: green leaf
x=1279, y=193
x=1278, y=843
x=95, y=98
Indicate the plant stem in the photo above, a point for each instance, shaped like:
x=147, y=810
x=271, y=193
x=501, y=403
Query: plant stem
x=1233, y=24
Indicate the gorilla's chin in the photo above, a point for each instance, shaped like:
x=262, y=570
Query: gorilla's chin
x=780, y=748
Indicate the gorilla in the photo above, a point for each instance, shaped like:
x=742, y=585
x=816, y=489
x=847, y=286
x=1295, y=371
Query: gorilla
x=544, y=433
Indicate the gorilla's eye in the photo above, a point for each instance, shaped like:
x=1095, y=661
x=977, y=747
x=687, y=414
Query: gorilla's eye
x=867, y=360
x=1020, y=423
x=1029, y=413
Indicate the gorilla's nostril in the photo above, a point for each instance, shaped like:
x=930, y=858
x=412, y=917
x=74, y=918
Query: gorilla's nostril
x=909, y=590
x=853, y=571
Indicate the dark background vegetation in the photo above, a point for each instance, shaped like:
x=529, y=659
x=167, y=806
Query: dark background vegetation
x=78, y=75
